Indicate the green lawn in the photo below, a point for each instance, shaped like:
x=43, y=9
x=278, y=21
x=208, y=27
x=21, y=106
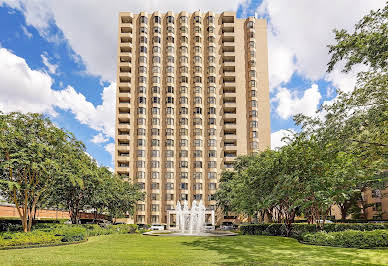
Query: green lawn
x=168, y=250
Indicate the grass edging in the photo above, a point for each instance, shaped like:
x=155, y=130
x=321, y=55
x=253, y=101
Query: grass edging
x=44, y=245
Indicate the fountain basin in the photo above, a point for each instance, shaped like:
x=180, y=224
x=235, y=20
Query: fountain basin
x=215, y=233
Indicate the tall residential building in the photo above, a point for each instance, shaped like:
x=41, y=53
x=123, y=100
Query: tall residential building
x=192, y=94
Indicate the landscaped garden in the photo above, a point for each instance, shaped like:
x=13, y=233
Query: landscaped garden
x=119, y=249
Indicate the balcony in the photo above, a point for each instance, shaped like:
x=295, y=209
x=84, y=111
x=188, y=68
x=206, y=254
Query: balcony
x=229, y=100
x=123, y=111
x=126, y=40
x=123, y=154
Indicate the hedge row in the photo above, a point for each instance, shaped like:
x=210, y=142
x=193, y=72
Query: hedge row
x=299, y=229
x=349, y=238
x=45, y=234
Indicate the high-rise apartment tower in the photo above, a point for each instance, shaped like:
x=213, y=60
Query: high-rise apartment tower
x=192, y=94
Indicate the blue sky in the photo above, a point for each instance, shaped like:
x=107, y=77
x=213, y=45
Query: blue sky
x=58, y=57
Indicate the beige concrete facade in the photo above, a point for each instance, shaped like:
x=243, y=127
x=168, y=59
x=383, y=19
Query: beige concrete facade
x=192, y=94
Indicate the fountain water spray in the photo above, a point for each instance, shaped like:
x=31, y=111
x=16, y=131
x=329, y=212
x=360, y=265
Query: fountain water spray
x=190, y=221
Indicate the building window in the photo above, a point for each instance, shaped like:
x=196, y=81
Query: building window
x=197, y=143
x=169, y=153
x=169, y=142
x=197, y=175
x=211, y=142
x=212, y=186
x=184, y=186
x=169, y=164
x=169, y=110
x=155, y=175
x=155, y=131
x=183, y=154
x=197, y=153
x=211, y=175
x=184, y=196
x=169, y=196
x=157, y=20
x=183, y=132
x=157, y=30
x=154, y=196
x=154, y=218
x=170, y=19
x=169, y=175
x=183, y=164
x=197, y=164
x=169, y=185
x=141, y=132
x=154, y=185
x=155, y=153
x=140, y=175
x=212, y=164
x=169, y=132
x=143, y=19
x=184, y=175
x=197, y=132
x=140, y=164
x=183, y=19
x=140, y=218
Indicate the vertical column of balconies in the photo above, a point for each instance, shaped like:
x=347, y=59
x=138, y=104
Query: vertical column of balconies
x=210, y=113
x=252, y=86
x=168, y=106
x=142, y=119
x=196, y=107
x=182, y=158
x=229, y=91
x=155, y=129
x=123, y=100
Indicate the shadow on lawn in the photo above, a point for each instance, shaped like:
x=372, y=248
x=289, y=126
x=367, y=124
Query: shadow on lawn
x=275, y=250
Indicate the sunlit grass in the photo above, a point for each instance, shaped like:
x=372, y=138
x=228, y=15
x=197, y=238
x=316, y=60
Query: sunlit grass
x=172, y=250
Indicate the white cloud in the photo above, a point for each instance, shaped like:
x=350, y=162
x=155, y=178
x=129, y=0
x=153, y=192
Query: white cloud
x=300, y=30
x=110, y=147
x=26, y=32
x=276, y=138
x=90, y=26
x=28, y=90
x=99, y=138
x=52, y=68
x=22, y=88
x=290, y=104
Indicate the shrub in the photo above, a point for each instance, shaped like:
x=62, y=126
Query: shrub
x=26, y=239
x=299, y=229
x=349, y=238
x=70, y=233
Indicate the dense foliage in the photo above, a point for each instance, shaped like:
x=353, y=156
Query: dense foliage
x=298, y=230
x=42, y=165
x=50, y=234
x=337, y=155
x=349, y=239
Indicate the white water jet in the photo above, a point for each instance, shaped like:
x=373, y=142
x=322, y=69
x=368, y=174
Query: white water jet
x=190, y=221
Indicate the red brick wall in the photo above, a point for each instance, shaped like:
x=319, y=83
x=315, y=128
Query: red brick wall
x=10, y=211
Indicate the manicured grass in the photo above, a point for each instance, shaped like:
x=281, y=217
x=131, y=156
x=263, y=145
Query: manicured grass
x=169, y=250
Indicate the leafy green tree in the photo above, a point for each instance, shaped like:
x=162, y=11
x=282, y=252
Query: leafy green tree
x=122, y=197
x=31, y=148
x=77, y=181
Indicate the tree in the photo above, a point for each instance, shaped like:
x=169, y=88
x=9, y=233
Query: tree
x=122, y=197
x=77, y=181
x=30, y=151
x=356, y=122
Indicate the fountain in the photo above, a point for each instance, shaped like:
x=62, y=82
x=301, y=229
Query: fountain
x=190, y=221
